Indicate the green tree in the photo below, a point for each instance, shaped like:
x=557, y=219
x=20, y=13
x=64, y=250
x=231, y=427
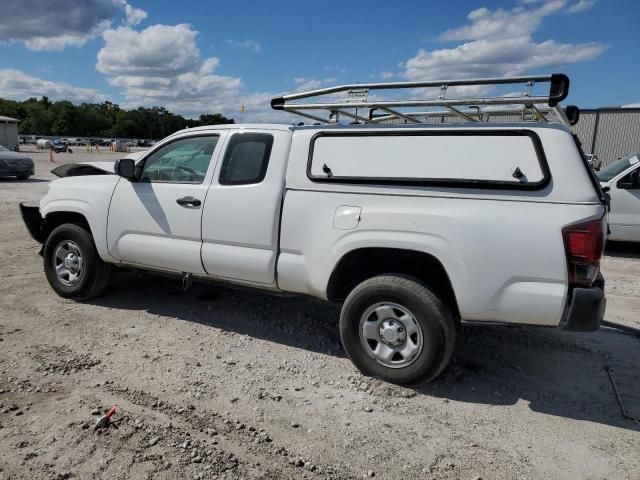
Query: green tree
x=106, y=119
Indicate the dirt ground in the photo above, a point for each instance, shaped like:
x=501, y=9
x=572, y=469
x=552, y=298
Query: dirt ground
x=226, y=383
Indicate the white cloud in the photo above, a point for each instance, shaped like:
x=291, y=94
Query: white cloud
x=632, y=105
x=303, y=83
x=485, y=58
x=162, y=65
x=133, y=16
x=245, y=44
x=499, y=43
x=42, y=25
x=581, y=6
x=386, y=75
x=18, y=85
x=158, y=50
x=485, y=24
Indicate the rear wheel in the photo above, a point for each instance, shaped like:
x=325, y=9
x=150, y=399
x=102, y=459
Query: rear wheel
x=395, y=328
x=72, y=265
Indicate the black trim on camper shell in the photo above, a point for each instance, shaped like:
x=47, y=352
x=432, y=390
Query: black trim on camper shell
x=604, y=198
x=440, y=182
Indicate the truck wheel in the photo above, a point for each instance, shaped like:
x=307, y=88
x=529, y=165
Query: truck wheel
x=394, y=328
x=72, y=265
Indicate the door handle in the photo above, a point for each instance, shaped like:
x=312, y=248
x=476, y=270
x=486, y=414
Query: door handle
x=185, y=201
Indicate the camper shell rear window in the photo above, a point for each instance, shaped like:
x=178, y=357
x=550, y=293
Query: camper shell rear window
x=508, y=159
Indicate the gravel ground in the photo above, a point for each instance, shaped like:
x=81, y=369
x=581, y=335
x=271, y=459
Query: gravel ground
x=226, y=383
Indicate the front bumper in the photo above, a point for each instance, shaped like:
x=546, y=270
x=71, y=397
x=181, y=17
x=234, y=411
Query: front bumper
x=586, y=308
x=11, y=172
x=34, y=222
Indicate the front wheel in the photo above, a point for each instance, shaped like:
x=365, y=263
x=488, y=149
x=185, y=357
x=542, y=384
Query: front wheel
x=395, y=328
x=72, y=265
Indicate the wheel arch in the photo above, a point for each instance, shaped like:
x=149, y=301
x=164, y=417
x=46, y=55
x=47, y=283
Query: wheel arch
x=54, y=219
x=90, y=216
x=362, y=263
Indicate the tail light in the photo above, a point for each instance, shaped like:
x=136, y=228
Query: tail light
x=583, y=246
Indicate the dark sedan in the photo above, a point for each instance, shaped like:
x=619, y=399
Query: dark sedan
x=15, y=164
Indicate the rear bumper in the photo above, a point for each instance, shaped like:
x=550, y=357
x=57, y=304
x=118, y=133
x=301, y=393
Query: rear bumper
x=34, y=222
x=586, y=308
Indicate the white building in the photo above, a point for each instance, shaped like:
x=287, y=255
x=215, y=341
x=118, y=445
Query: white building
x=8, y=131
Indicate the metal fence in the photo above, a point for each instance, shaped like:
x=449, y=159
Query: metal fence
x=610, y=133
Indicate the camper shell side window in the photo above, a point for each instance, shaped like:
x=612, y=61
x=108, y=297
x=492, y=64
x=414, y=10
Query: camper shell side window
x=504, y=159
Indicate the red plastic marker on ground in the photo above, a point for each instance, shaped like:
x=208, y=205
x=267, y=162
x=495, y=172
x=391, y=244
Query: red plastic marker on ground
x=105, y=420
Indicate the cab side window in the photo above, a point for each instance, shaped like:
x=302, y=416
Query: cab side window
x=631, y=181
x=183, y=161
x=246, y=159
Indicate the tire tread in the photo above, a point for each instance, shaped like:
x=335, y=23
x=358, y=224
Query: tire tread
x=98, y=273
x=422, y=291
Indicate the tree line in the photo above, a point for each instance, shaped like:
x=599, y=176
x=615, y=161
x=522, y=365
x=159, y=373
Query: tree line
x=106, y=119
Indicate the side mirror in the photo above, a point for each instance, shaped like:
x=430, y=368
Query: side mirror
x=126, y=168
x=630, y=181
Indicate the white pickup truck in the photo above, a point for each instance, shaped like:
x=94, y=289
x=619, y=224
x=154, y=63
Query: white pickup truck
x=621, y=180
x=414, y=228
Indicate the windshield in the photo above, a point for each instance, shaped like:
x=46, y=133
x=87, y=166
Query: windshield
x=3, y=149
x=617, y=167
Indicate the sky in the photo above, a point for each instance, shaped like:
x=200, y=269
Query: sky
x=201, y=56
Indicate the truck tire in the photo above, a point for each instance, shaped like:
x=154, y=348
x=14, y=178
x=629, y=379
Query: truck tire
x=393, y=327
x=72, y=265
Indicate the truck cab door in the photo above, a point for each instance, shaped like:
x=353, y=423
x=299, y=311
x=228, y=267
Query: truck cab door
x=241, y=219
x=624, y=217
x=155, y=221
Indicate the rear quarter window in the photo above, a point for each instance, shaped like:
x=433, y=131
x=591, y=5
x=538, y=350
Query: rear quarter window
x=246, y=159
x=513, y=158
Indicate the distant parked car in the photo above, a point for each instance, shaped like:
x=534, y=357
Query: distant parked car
x=15, y=164
x=622, y=178
x=59, y=146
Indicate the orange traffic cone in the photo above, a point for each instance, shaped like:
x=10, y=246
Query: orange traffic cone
x=51, y=160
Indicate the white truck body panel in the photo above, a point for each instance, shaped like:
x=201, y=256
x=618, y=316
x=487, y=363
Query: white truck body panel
x=148, y=228
x=87, y=196
x=240, y=223
x=501, y=267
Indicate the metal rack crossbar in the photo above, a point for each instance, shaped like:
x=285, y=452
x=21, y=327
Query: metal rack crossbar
x=356, y=97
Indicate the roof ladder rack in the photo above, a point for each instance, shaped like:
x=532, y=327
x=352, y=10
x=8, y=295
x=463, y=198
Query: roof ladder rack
x=347, y=100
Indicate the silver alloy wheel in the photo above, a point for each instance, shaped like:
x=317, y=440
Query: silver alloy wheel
x=68, y=262
x=391, y=335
